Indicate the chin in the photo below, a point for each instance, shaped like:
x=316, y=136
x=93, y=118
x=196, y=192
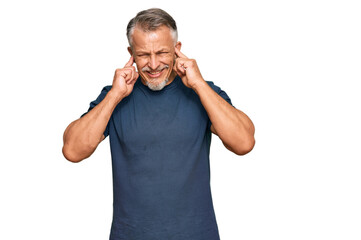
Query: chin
x=158, y=83
x=157, y=86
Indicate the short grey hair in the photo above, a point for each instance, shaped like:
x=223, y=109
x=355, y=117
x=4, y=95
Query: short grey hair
x=151, y=20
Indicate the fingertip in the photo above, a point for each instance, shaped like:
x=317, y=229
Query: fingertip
x=130, y=61
x=176, y=51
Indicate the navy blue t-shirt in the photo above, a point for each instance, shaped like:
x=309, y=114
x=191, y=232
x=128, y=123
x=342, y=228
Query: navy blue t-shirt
x=160, y=143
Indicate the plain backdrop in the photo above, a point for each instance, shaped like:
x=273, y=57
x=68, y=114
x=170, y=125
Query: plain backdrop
x=292, y=66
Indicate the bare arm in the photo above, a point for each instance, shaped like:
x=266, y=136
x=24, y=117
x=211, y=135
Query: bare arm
x=82, y=136
x=232, y=126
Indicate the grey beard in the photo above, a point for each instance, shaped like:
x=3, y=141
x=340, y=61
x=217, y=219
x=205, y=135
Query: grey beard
x=157, y=87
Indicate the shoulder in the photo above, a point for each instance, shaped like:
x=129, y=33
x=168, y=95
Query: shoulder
x=106, y=89
x=101, y=96
x=210, y=83
x=220, y=92
x=104, y=92
x=214, y=87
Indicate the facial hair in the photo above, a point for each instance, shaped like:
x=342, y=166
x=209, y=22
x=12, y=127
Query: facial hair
x=159, y=86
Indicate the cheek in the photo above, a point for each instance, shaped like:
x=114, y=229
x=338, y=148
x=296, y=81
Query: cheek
x=140, y=63
x=169, y=60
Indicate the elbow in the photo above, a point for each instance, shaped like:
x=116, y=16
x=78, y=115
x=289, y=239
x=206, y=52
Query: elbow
x=73, y=156
x=243, y=148
x=246, y=143
x=247, y=147
x=77, y=150
x=70, y=156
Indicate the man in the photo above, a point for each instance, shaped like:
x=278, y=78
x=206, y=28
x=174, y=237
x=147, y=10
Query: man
x=159, y=121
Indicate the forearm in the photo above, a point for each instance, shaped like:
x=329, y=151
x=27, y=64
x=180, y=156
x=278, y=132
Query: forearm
x=233, y=127
x=82, y=136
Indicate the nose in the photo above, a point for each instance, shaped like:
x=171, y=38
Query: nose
x=153, y=62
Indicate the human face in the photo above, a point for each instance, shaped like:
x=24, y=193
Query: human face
x=154, y=56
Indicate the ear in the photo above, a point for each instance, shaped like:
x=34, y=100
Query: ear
x=130, y=51
x=178, y=45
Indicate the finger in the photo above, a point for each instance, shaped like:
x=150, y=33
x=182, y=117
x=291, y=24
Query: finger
x=132, y=82
x=132, y=73
x=179, y=53
x=180, y=68
x=126, y=74
x=136, y=75
x=183, y=64
x=130, y=62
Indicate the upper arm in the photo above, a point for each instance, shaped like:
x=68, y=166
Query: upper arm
x=221, y=93
x=213, y=130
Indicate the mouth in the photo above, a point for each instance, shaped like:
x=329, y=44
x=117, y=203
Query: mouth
x=155, y=74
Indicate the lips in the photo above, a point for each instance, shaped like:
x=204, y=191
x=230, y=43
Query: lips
x=154, y=74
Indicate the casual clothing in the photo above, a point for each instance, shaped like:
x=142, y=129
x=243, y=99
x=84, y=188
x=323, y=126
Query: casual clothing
x=160, y=142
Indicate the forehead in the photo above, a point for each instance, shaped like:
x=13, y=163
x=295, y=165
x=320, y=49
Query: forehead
x=159, y=38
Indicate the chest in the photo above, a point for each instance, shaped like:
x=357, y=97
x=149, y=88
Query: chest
x=175, y=118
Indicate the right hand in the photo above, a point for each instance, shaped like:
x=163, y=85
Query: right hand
x=124, y=79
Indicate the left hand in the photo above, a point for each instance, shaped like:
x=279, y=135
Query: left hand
x=187, y=69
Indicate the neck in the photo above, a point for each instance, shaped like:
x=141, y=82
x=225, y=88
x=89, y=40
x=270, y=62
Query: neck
x=171, y=77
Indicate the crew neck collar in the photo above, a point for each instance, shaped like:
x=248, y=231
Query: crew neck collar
x=172, y=85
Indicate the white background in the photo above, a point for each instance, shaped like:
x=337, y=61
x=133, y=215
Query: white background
x=292, y=66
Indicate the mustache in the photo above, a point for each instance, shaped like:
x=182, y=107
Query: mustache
x=145, y=69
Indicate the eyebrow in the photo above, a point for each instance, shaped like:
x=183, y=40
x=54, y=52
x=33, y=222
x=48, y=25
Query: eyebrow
x=159, y=51
x=141, y=52
x=163, y=50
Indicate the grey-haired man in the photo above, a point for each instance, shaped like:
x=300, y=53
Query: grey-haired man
x=160, y=121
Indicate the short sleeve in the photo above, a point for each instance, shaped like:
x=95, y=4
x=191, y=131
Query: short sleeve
x=221, y=93
x=100, y=98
